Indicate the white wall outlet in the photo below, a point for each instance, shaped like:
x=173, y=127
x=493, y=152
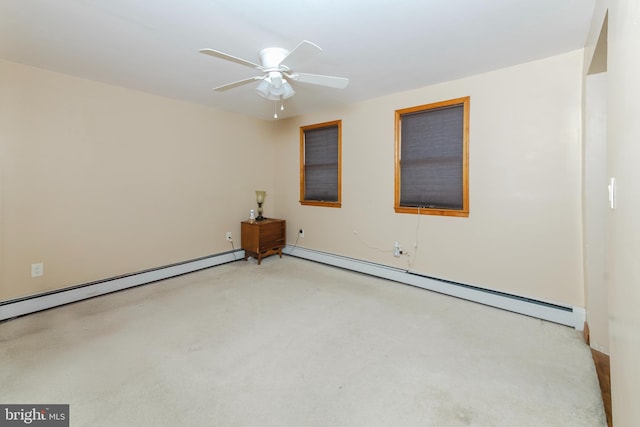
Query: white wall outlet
x=228, y=236
x=396, y=250
x=37, y=269
x=301, y=232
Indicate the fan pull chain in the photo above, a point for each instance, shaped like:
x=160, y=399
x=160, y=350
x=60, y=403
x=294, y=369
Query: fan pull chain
x=275, y=110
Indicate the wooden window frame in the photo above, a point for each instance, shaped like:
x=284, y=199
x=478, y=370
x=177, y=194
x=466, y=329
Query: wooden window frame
x=464, y=212
x=303, y=129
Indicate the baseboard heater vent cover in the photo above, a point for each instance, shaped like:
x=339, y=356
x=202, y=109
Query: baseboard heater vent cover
x=33, y=303
x=557, y=313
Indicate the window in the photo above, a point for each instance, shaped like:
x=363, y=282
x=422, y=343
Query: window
x=320, y=164
x=432, y=159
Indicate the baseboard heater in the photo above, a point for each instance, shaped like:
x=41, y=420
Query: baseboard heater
x=33, y=303
x=557, y=313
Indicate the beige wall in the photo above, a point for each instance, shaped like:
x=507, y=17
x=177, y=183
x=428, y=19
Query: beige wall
x=595, y=177
x=623, y=152
x=595, y=210
x=523, y=235
x=98, y=181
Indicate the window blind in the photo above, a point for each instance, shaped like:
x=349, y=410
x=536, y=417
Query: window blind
x=321, y=164
x=431, y=158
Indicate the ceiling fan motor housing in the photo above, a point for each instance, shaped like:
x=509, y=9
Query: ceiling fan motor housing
x=271, y=58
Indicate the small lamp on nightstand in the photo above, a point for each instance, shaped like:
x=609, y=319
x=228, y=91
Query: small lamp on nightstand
x=260, y=199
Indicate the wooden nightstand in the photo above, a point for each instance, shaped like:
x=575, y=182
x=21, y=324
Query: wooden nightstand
x=263, y=238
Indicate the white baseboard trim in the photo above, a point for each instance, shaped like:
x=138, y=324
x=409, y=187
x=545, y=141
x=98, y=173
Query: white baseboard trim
x=557, y=313
x=31, y=304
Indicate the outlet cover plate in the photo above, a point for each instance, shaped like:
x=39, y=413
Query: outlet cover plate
x=37, y=269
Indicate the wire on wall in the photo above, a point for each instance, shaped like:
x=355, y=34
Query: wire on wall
x=233, y=251
x=415, y=243
x=295, y=244
x=375, y=248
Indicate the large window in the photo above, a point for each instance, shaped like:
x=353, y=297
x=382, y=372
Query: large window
x=320, y=164
x=432, y=159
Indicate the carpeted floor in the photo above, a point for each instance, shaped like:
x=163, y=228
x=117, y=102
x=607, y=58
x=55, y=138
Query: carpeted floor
x=295, y=343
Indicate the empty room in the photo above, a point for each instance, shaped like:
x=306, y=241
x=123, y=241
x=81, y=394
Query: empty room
x=319, y=213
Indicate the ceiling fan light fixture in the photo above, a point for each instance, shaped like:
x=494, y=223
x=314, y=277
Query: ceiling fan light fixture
x=288, y=90
x=267, y=90
x=263, y=88
x=276, y=79
x=277, y=91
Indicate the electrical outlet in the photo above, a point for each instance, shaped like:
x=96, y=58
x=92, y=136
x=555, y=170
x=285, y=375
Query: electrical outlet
x=396, y=250
x=301, y=232
x=228, y=236
x=37, y=269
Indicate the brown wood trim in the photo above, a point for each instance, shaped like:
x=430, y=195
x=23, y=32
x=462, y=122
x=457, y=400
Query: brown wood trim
x=320, y=203
x=332, y=204
x=603, y=369
x=432, y=211
x=585, y=331
x=464, y=212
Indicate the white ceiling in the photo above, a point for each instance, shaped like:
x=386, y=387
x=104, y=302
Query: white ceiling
x=381, y=46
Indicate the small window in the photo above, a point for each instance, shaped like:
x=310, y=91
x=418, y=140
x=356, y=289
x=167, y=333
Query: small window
x=432, y=159
x=320, y=164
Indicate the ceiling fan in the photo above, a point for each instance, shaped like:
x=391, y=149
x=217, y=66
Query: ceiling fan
x=278, y=67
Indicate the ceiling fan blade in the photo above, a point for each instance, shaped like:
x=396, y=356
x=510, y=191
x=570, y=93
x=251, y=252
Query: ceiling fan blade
x=236, y=84
x=300, y=54
x=318, y=79
x=231, y=58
